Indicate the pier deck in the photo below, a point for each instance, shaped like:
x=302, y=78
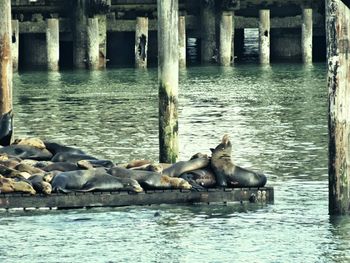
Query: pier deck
x=124, y=198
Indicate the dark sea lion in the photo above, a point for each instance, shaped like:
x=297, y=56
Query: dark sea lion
x=61, y=166
x=181, y=167
x=55, y=148
x=26, y=152
x=95, y=163
x=71, y=157
x=39, y=185
x=88, y=180
x=227, y=173
x=150, y=180
x=204, y=177
x=9, y=172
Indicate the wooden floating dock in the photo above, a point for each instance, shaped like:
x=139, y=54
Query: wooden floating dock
x=124, y=198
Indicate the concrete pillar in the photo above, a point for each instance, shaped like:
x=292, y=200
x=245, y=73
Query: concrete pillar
x=208, y=33
x=338, y=55
x=141, y=42
x=6, y=116
x=15, y=44
x=264, y=36
x=225, y=38
x=79, y=30
x=182, y=42
x=168, y=80
x=93, y=44
x=52, y=44
x=102, y=29
x=306, y=36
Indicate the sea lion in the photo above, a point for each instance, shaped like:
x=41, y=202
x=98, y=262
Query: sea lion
x=61, y=166
x=71, y=157
x=150, y=180
x=181, y=167
x=26, y=152
x=23, y=167
x=95, y=163
x=55, y=148
x=40, y=185
x=35, y=142
x=9, y=172
x=204, y=177
x=87, y=180
x=227, y=173
x=8, y=185
x=10, y=163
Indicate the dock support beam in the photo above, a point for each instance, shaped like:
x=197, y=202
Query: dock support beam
x=102, y=34
x=338, y=56
x=264, y=36
x=93, y=47
x=15, y=44
x=168, y=79
x=182, y=42
x=52, y=44
x=79, y=20
x=306, y=36
x=208, y=39
x=225, y=38
x=6, y=121
x=141, y=42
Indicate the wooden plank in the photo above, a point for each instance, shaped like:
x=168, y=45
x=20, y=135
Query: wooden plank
x=124, y=198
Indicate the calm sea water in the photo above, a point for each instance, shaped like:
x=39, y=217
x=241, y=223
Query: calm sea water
x=277, y=119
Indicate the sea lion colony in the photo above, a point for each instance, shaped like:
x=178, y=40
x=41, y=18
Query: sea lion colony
x=35, y=166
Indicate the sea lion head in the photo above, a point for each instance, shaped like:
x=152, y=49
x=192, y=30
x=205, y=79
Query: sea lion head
x=224, y=149
x=47, y=177
x=47, y=188
x=131, y=185
x=183, y=184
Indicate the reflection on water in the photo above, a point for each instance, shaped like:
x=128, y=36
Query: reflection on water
x=277, y=119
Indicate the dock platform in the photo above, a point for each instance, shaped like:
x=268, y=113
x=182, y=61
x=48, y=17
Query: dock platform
x=124, y=198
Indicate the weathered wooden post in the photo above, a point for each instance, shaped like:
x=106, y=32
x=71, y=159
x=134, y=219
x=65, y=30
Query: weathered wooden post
x=182, y=41
x=208, y=33
x=79, y=30
x=52, y=44
x=15, y=44
x=93, y=47
x=102, y=34
x=168, y=78
x=338, y=56
x=306, y=36
x=225, y=38
x=264, y=36
x=141, y=42
x=6, y=117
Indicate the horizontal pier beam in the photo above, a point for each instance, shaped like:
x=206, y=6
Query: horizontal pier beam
x=124, y=198
x=192, y=23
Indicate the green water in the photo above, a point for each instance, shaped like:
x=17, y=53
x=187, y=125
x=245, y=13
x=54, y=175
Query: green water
x=277, y=119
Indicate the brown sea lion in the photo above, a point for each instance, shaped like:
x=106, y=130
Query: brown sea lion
x=8, y=185
x=22, y=167
x=26, y=152
x=71, y=157
x=150, y=180
x=61, y=166
x=35, y=142
x=227, y=173
x=181, y=167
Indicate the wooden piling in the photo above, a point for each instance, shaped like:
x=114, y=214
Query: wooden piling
x=338, y=56
x=79, y=30
x=93, y=47
x=141, y=42
x=225, y=38
x=15, y=44
x=168, y=78
x=264, y=36
x=233, y=38
x=102, y=34
x=6, y=121
x=208, y=33
x=182, y=42
x=52, y=44
x=306, y=36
